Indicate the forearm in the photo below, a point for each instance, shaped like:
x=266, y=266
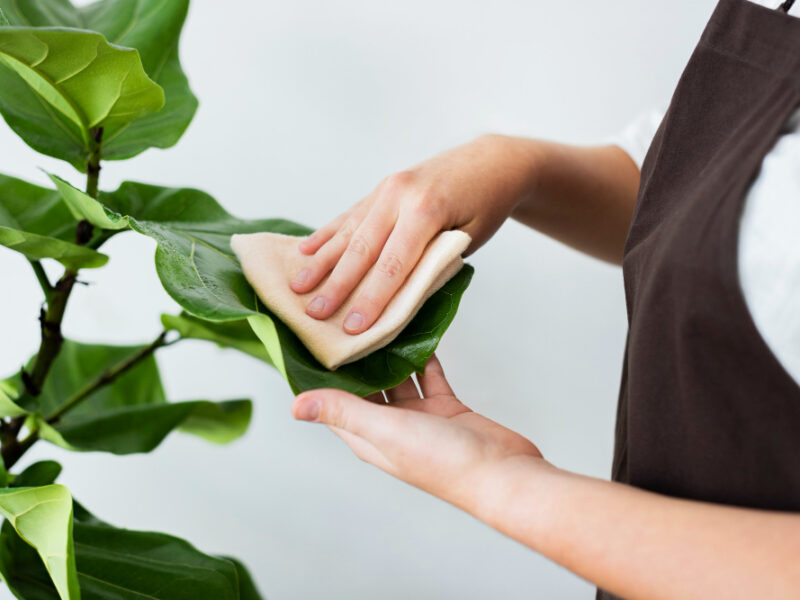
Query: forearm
x=581, y=196
x=642, y=545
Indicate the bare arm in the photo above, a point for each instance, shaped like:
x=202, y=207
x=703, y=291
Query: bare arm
x=581, y=196
x=641, y=545
x=636, y=544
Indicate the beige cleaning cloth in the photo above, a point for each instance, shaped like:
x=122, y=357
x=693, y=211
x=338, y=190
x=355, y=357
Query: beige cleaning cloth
x=270, y=260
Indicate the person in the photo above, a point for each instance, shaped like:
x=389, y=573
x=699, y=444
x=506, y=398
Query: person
x=705, y=497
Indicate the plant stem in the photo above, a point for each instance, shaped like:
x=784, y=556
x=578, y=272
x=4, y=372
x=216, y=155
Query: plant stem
x=14, y=451
x=52, y=339
x=109, y=376
x=44, y=282
x=51, y=318
x=57, y=302
x=93, y=166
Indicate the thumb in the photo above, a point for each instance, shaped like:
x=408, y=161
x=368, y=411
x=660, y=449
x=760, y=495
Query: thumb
x=336, y=408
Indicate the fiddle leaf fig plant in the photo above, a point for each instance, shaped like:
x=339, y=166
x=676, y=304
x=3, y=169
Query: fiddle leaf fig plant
x=104, y=82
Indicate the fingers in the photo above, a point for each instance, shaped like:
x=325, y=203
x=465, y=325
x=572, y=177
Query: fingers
x=328, y=244
x=325, y=258
x=400, y=254
x=359, y=255
x=315, y=241
x=379, y=425
x=388, y=230
x=433, y=381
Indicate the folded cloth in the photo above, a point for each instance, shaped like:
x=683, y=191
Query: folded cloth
x=270, y=260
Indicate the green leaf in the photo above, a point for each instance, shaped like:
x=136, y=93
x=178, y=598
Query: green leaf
x=142, y=428
x=80, y=81
x=152, y=27
x=218, y=422
x=36, y=247
x=129, y=565
x=199, y=270
x=35, y=222
x=226, y=334
x=8, y=395
x=83, y=206
x=44, y=472
x=42, y=517
x=129, y=415
x=77, y=364
x=41, y=13
x=3, y=19
x=35, y=209
x=247, y=587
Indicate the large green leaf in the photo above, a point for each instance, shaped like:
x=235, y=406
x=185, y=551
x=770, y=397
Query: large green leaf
x=153, y=28
x=80, y=80
x=35, y=222
x=199, y=270
x=42, y=517
x=121, y=564
x=129, y=415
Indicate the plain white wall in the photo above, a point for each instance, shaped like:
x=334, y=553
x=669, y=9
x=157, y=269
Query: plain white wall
x=305, y=106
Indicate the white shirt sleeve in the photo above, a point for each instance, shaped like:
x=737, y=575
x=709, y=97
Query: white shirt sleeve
x=769, y=236
x=635, y=139
x=769, y=250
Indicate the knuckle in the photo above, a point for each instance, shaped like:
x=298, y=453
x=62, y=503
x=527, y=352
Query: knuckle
x=398, y=181
x=391, y=265
x=335, y=414
x=359, y=245
x=429, y=206
x=347, y=229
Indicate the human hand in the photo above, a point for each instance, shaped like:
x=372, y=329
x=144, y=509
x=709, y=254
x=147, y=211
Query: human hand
x=474, y=188
x=430, y=440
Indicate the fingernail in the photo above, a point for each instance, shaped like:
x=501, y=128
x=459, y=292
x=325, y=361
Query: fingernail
x=308, y=411
x=317, y=304
x=301, y=277
x=354, y=321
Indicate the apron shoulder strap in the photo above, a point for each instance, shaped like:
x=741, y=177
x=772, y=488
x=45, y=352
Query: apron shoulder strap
x=786, y=6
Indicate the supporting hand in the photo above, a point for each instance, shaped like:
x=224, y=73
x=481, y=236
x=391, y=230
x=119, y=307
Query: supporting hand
x=428, y=439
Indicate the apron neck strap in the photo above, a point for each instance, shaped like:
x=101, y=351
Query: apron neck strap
x=786, y=6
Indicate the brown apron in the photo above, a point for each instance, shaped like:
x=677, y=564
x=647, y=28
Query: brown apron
x=706, y=411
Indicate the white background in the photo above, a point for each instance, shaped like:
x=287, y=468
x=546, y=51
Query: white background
x=305, y=106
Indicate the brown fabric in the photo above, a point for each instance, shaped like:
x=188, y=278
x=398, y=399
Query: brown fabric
x=706, y=411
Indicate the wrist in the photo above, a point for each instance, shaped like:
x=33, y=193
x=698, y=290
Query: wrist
x=515, y=495
x=521, y=162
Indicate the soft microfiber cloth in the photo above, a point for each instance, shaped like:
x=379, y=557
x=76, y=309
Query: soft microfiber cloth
x=270, y=260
